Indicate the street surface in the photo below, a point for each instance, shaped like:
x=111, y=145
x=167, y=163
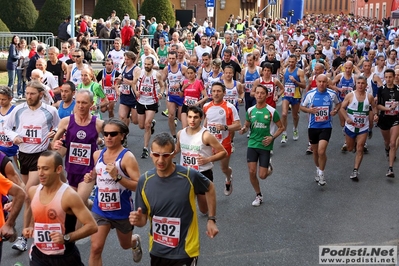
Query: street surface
x=296, y=216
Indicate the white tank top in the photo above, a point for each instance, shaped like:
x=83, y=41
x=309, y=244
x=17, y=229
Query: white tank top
x=148, y=88
x=358, y=112
x=76, y=75
x=231, y=95
x=173, y=80
x=191, y=147
x=380, y=73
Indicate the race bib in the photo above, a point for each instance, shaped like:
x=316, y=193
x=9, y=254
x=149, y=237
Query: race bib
x=124, y=89
x=163, y=60
x=146, y=90
x=110, y=93
x=217, y=133
x=109, y=199
x=189, y=101
x=345, y=91
x=248, y=86
x=270, y=90
x=231, y=99
x=42, y=239
x=32, y=134
x=322, y=115
x=4, y=140
x=80, y=153
x=289, y=90
x=388, y=104
x=174, y=89
x=166, y=231
x=190, y=160
x=360, y=120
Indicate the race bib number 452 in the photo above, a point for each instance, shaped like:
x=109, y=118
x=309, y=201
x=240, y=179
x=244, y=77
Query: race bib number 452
x=79, y=153
x=166, y=231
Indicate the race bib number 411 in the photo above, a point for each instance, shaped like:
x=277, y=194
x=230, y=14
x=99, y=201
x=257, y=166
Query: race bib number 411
x=166, y=231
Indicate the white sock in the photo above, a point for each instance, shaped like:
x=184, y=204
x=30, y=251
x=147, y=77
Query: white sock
x=321, y=172
x=284, y=132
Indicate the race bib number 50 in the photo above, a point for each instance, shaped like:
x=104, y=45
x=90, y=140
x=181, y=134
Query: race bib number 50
x=166, y=231
x=42, y=237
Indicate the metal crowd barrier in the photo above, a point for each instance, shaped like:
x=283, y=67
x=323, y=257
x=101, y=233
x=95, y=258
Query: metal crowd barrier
x=5, y=37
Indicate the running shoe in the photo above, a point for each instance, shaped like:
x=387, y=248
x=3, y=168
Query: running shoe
x=284, y=138
x=365, y=149
x=322, y=180
x=165, y=113
x=232, y=147
x=344, y=148
x=390, y=173
x=370, y=133
x=270, y=168
x=145, y=154
x=21, y=244
x=153, y=122
x=137, y=250
x=317, y=177
x=354, y=175
x=309, y=150
x=258, y=201
x=228, y=187
x=296, y=135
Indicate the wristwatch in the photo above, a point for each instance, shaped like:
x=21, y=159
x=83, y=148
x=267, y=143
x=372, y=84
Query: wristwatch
x=67, y=238
x=226, y=127
x=213, y=218
x=118, y=178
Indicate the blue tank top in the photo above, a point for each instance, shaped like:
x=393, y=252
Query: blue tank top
x=289, y=83
x=6, y=144
x=249, y=79
x=347, y=85
x=127, y=93
x=64, y=112
x=81, y=142
x=112, y=201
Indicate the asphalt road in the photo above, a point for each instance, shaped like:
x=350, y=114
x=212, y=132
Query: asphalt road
x=297, y=215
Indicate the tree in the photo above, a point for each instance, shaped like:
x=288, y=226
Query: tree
x=3, y=27
x=160, y=9
x=104, y=8
x=51, y=15
x=18, y=15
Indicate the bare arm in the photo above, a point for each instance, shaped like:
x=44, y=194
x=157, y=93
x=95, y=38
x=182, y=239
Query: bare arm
x=18, y=198
x=62, y=128
x=131, y=167
x=219, y=151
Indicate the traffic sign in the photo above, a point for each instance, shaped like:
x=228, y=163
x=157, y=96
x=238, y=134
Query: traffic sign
x=210, y=3
x=210, y=11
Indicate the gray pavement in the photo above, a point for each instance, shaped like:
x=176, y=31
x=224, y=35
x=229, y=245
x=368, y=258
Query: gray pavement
x=297, y=215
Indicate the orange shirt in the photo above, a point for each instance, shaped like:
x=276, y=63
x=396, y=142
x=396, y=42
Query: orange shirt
x=5, y=186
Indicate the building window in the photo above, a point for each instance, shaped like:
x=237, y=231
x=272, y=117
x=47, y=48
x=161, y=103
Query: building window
x=340, y=5
x=315, y=5
x=320, y=4
x=384, y=10
x=330, y=6
x=346, y=4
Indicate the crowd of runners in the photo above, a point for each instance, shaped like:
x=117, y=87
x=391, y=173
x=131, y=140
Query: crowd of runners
x=64, y=152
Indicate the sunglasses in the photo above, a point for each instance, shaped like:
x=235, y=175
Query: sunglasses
x=77, y=56
x=164, y=155
x=112, y=133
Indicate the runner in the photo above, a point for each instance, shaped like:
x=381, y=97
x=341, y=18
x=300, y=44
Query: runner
x=74, y=70
x=35, y=123
x=294, y=80
x=321, y=104
x=264, y=122
x=250, y=74
x=81, y=131
x=67, y=104
x=52, y=217
x=194, y=94
x=128, y=102
x=6, y=145
x=221, y=119
x=148, y=88
x=116, y=173
x=388, y=121
x=117, y=54
x=108, y=77
x=174, y=74
x=355, y=109
x=198, y=149
x=177, y=215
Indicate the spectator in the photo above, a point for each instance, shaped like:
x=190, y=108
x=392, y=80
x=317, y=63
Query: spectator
x=41, y=52
x=90, y=29
x=12, y=60
x=33, y=48
x=157, y=34
x=63, y=34
x=135, y=44
x=23, y=62
x=206, y=23
x=210, y=31
x=113, y=18
x=105, y=31
x=83, y=24
x=127, y=33
x=99, y=26
x=116, y=31
x=85, y=47
x=126, y=20
x=152, y=28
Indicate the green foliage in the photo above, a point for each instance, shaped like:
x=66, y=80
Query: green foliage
x=18, y=15
x=104, y=8
x=52, y=15
x=160, y=9
x=3, y=27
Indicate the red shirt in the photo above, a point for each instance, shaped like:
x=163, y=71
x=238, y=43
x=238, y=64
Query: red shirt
x=126, y=34
x=83, y=26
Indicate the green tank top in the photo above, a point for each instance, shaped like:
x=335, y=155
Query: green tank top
x=163, y=56
x=189, y=46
